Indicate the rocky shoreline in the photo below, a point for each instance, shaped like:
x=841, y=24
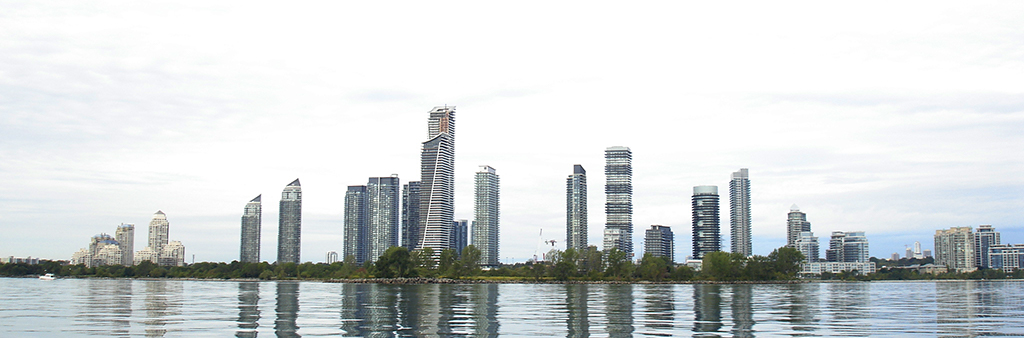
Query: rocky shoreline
x=530, y=281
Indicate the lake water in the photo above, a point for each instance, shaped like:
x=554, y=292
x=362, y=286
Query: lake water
x=112, y=307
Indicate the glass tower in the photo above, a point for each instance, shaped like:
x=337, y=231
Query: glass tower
x=383, y=216
x=411, y=215
x=795, y=224
x=485, y=222
x=252, y=221
x=706, y=233
x=660, y=242
x=289, y=224
x=618, y=207
x=356, y=243
x=437, y=181
x=739, y=212
x=576, y=209
x=984, y=237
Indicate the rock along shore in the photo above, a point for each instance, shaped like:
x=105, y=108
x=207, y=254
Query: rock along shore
x=530, y=281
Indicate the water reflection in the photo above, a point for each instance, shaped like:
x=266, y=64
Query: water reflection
x=707, y=309
x=849, y=306
x=248, y=309
x=619, y=309
x=801, y=303
x=287, y=309
x=742, y=310
x=163, y=301
x=660, y=306
x=485, y=309
x=576, y=321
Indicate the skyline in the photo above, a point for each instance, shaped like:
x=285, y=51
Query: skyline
x=897, y=123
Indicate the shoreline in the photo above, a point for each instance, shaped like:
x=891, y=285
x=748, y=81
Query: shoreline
x=419, y=280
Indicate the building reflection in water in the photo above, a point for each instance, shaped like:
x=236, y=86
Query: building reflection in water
x=742, y=310
x=849, y=306
x=485, y=309
x=619, y=309
x=248, y=309
x=163, y=301
x=801, y=303
x=707, y=308
x=660, y=307
x=577, y=321
x=109, y=302
x=956, y=303
x=287, y=309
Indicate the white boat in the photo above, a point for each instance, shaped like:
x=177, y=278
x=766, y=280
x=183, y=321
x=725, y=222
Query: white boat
x=48, y=276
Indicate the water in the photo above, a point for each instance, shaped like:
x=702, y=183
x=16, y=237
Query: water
x=86, y=307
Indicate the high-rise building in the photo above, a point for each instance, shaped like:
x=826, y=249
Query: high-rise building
x=895, y=256
x=159, y=229
x=576, y=209
x=173, y=254
x=289, y=224
x=927, y=253
x=252, y=221
x=954, y=248
x=917, y=250
x=706, y=232
x=618, y=207
x=910, y=253
x=850, y=247
x=739, y=211
x=460, y=235
x=383, y=215
x=796, y=224
x=807, y=244
x=437, y=181
x=1007, y=257
x=984, y=237
x=660, y=242
x=486, y=220
x=356, y=244
x=103, y=250
x=411, y=233
x=125, y=237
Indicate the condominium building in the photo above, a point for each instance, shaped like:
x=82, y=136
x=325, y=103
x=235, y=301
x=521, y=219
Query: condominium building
x=252, y=221
x=739, y=212
x=331, y=257
x=486, y=220
x=795, y=224
x=289, y=224
x=660, y=242
x=1007, y=257
x=159, y=230
x=437, y=181
x=848, y=247
x=460, y=235
x=411, y=233
x=706, y=232
x=984, y=237
x=173, y=254
x=355, y=242
x=125, y=236
x=807, y=244
x=618, y=207
x=954, y=248
x=576, y=209
x=383, y=216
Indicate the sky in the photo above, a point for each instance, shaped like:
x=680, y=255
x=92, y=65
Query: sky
x=895, y=119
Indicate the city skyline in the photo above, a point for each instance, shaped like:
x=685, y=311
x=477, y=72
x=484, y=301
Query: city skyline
x=887, y=127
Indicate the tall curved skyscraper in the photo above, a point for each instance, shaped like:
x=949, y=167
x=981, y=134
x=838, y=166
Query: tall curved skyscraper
x=437, y=181
x=618, y=207
x=289, y=224
x=251, y=224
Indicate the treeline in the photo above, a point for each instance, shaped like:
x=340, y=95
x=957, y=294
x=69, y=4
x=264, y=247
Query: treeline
x=590, y=264
x=889, y=273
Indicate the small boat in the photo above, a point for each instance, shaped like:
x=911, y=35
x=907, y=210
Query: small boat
x=48, y=276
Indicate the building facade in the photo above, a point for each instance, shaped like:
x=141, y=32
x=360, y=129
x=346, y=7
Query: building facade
x=807, y=244
x=252, y=221
x=355, y=242
x=660, y=242
x=289, y=224
x=460, y=235
x=576, y=209
x=739, y=212
x=173, y=254
x=795, y=224
x=411, y=215
x=437, y=181
x=706, y=227
x=383, y=215
x=984, y=237
x=159, y=231
x=487, y=215
x=125, y=236
x=1006, y=257
x=618, y=207
x=850, y=247
x=954, y=248
x=331, y=257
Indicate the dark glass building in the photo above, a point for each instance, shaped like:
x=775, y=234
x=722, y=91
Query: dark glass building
x=251, y=223
x=706, y=236
x=618, y=207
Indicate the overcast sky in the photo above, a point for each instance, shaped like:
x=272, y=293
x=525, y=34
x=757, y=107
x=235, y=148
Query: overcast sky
x=892, y=118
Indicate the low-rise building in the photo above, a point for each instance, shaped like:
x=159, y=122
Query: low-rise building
x=817, y=268
x=1007, y=257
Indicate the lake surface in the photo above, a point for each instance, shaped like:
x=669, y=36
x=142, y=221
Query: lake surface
x=112, y=307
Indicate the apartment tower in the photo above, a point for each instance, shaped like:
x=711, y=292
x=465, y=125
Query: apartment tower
x=437, y=181
x=289, y=224
x=576, y=209
x=355, y=242
x=706, y=232
x=618, y=207
x=796, y=224
x=660, y=242
x=486, y=220
x=739, y=212
x=159, y=230
x=252, y=222
x=125, y=236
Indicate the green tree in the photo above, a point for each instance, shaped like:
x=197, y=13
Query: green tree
x=446, y=263
x=591, y=263
x=619, y=265
x=720, y=265
x=653, y=268
x=787, y=261
x=469, y=262
x=394, y=263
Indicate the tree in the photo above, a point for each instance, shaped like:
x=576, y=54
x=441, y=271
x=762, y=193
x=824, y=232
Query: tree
x=618, y=265
x=394, y=263
x=591, y=262
x=469, y=263
x=653, y=268
x=446, y=264
x=787, y=261
x=721, y=265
